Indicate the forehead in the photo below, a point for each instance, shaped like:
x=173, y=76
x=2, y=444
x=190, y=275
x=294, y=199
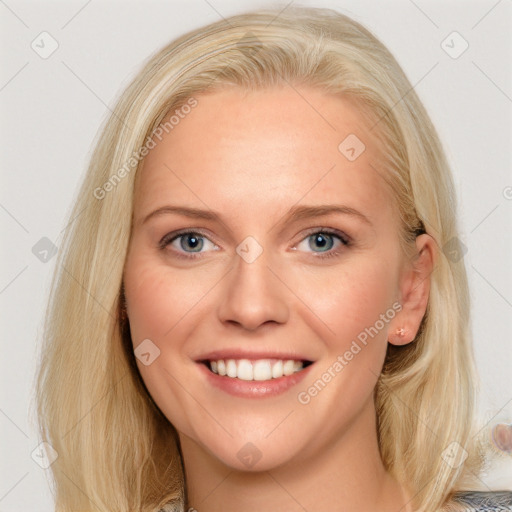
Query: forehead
x=260, y=151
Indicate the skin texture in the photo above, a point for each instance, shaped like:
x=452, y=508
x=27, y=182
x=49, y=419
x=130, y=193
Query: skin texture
x=251, y=156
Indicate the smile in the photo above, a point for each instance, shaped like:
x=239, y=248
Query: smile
x=242, y=380
x=256, y=370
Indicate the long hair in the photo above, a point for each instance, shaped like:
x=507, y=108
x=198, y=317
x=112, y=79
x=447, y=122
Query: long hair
x=116, y=450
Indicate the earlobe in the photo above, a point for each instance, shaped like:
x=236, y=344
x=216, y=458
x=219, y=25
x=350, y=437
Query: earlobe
x=399, y=336
x=415, y=291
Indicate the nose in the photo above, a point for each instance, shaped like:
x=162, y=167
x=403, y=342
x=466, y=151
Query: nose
x=253, y=295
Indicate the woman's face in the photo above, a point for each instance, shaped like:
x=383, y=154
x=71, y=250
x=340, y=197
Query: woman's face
x=265, y=241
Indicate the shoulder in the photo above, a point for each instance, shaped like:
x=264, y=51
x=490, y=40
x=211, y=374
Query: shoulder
x=477, y=501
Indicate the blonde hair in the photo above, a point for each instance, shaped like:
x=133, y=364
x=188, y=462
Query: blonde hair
x=116, y=449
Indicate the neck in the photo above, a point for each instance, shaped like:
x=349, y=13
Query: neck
x=348, y=473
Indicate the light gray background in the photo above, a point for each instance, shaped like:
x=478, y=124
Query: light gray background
x=52, y=109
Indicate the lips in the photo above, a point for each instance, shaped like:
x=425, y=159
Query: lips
x=253, y=374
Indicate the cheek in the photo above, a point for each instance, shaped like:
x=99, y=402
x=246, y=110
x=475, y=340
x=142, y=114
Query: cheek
x=148, y=296
x=357, y=305
x=356, y=302
x=159, y=298
x=159, y=303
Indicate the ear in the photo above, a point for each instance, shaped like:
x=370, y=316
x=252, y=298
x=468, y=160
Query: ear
x=414, y=289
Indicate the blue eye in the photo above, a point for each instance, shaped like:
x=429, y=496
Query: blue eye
x=187, y=243
x=191, y=241
x=324, y=243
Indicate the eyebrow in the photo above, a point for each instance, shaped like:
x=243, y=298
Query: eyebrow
x=294, y=214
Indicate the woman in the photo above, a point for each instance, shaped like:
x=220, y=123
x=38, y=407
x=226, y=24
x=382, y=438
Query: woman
x=262, y=302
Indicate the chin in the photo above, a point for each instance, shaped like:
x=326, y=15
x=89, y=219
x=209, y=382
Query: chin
x=250, y=453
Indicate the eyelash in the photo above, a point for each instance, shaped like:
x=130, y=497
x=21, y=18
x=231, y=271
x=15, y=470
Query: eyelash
x=344, y=239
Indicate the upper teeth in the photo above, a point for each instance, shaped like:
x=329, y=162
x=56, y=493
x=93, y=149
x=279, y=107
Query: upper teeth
x=262, y=369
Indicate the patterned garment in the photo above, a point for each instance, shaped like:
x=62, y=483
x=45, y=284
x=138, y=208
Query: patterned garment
x=472, y=501
x=484, y=501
